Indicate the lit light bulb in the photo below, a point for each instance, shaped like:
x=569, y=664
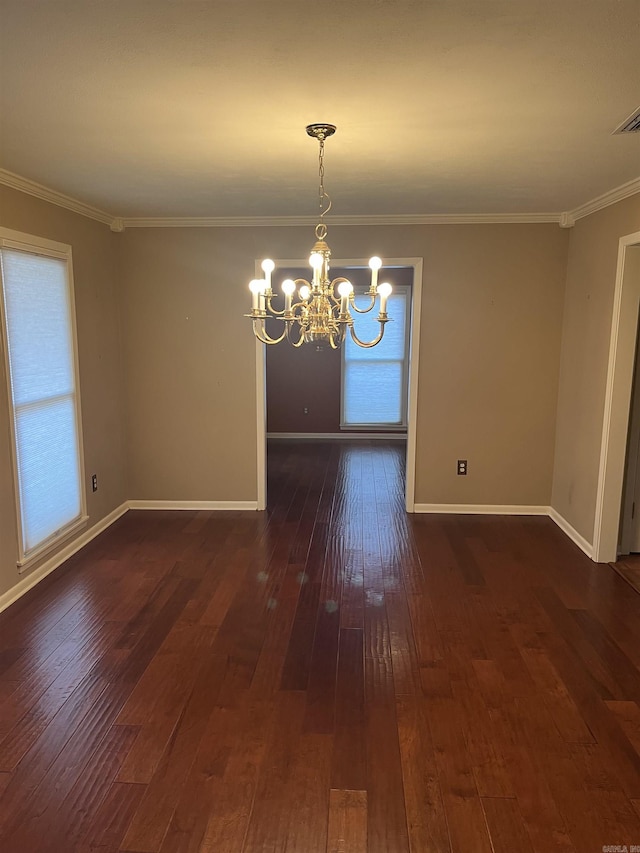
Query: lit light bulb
x=288, y=288
x=375, y=263
x=384, y=291
x=304, y=292
x=345, y=288
x=316, y=260
x=254, y=287
x=268, y=267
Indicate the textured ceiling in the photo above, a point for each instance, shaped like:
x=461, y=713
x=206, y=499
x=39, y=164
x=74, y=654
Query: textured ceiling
x=187, y=108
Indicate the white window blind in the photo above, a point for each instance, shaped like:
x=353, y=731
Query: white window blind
x=374, y=381
x=39, y=336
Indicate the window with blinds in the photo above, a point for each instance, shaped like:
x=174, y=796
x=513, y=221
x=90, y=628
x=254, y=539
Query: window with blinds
x=375, y=381
x=39, y=337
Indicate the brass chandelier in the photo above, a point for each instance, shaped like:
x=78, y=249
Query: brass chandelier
x=315, y=314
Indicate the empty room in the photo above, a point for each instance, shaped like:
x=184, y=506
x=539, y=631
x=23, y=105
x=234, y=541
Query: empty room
x=319, y=426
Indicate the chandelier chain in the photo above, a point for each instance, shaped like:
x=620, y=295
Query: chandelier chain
x=323, y=195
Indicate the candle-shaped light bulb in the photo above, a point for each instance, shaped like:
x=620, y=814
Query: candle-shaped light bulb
x=316, y=261
x=375, y=263
x=304, y=293
x=268, y=267
x=288, y=288
x=384, y=291
x=254, y=287
x=345, y=288
x=262, y=286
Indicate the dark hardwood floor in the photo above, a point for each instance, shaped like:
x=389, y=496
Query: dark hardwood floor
x=331, y=675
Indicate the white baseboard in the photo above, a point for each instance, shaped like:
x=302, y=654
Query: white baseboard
x=483, y=509
x=510, y=509
x=571, y=532
x=52, y=563
x=241, y=505
x=337, y=436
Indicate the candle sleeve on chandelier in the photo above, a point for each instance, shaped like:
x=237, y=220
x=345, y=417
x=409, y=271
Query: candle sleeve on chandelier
x=288, y=288
x=254, y=287
x=374, y=263
x=345, y=289
x=384, y=291
x=316, y=261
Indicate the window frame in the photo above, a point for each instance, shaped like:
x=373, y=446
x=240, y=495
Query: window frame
x=403, y=425
x=33, y=245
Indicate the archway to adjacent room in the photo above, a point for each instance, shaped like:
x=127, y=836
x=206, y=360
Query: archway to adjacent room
x=414, y=341
x=622, y=352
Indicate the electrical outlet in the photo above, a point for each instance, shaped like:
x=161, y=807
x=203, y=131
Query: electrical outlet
x=94, y=482
x=305, y=410
x=462, y=467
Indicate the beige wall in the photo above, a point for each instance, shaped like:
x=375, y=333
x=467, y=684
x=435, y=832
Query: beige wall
x=593, y=254
x=99, y=358
x=167, y=359
x=190, y=364
x=491, y=322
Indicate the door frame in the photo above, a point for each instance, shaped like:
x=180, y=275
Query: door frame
x=622, y=352
x=414, y=363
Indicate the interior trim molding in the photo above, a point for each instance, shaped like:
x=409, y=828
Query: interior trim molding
x=617, y=402
x=337, y=436
x=605, y=200
x=483, y=509
x=566, y=219
x=17, y=182
x=513, y=509
x=34, y=577
x=241, y=505
x=571, y=532
x=390, y=219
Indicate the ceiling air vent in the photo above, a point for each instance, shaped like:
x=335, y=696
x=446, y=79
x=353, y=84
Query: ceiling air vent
x=631, y=124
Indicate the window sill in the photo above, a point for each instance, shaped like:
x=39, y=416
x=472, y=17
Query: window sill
x=52, y=544
x=375, y=427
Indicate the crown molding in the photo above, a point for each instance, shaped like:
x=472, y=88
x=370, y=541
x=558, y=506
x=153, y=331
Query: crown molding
x=118, y=224
x=604, y=200
x=17, y=182
x=391, y=219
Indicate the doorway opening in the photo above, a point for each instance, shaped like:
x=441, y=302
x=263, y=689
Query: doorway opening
x=407, y=268
x=616, y=422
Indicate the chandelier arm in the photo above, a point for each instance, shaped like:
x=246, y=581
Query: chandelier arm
x=368, y=344
x=264, y=338
x=272, y=310
x=352, y=300
x=333, y=284
x=300, y=340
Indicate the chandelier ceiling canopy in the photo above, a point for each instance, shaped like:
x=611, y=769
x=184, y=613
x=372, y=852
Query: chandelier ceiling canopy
x=319, y=310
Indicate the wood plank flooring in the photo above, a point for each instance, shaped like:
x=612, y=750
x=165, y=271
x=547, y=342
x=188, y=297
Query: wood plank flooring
x=629, y=567
x=330, y=676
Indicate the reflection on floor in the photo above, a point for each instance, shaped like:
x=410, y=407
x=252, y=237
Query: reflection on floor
x=329, y=675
